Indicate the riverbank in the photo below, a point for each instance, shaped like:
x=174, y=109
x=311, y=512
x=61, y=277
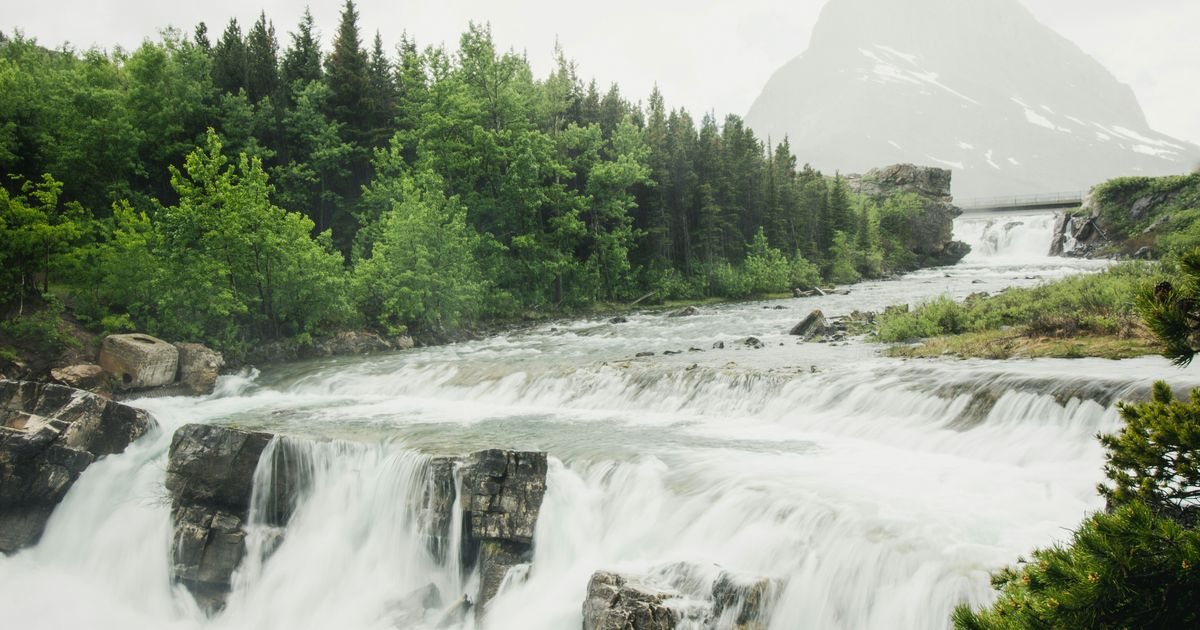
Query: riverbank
x=1092, y=315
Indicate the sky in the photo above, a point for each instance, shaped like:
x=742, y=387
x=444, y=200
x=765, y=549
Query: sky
x=705, y=55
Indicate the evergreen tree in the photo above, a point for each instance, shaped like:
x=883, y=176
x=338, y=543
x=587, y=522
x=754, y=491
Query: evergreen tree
x=229, y=60
x=262, y=61
x=381, y=97
x=200, y=37
x=302, y=60
x=346, y=73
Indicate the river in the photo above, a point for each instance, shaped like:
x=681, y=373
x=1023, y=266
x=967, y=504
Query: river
x=880, y=492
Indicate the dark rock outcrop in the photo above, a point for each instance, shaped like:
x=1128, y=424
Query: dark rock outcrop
x=813, y=325
x=139, y=361
x=49, y=434
x=617, y=602
x=502, y=493
x=210, y=475
x=1078, y=236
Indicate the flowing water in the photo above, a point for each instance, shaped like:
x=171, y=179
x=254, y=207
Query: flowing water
x=879, y=492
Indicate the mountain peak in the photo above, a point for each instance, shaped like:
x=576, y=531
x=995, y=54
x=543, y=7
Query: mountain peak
x=978, y=86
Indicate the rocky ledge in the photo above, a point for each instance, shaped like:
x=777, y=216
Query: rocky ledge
x=49, y=434
x=210, y=477
x=502, y=493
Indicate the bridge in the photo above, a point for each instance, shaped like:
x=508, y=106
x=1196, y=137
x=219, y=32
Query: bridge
x=1043, y=201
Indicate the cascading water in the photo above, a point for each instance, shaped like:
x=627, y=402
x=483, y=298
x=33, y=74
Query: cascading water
x=874, y=493
x=1025, y=237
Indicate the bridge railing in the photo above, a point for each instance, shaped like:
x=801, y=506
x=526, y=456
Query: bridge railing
x=1018, y=201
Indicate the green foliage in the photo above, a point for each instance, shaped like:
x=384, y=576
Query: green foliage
x=844, y=265
x=42, y=329
x=1134, y=567
x=1095, y=304
x=1155, y=458
x=422, y=273
x=36, y=231
x=223, y=266
x=1171, y=310
x=571, y=193
x=1169, y=196
x=1128, y=569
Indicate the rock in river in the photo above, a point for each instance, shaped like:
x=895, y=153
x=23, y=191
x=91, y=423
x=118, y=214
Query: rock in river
x=48, y=435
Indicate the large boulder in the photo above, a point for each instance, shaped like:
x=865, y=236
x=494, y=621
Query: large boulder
x=139, y=361
x=812, y=325
x=617, y=602
x=49, y=434
x=743, y=602
x=210, y=476
x=199, y=367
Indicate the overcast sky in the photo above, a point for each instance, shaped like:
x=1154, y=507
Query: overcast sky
x=704, y=54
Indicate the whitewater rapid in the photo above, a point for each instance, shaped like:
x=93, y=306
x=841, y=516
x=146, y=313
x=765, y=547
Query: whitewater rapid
x=880, y=492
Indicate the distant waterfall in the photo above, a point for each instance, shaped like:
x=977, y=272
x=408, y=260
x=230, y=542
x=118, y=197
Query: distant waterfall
x=1017, y=237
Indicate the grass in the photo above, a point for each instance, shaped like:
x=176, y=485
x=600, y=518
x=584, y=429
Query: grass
x=1089, y=315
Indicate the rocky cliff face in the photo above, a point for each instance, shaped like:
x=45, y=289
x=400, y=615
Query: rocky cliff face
x=978, y=86
x=930, y=233
x=210, y=475
x=49, y=434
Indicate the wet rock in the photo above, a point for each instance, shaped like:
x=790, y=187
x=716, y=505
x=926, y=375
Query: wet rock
x=139, y=361
x=210, y=476
x=743, y=603
x=199, y=367
x=49, y=434
x=503, y=492
x=643, y=354
x=754, y=342
x=686, y=311
x=83, y=376
x=619, y=319
x=401, y=342
x=672, y=352
x=350, y=343
x=616, y=602
x=720, y=345
x=812, y=325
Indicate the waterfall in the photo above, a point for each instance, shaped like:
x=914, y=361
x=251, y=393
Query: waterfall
x=1017, y=237
x=874, y=493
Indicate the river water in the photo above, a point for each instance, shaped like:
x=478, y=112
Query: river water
x=879, y=492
